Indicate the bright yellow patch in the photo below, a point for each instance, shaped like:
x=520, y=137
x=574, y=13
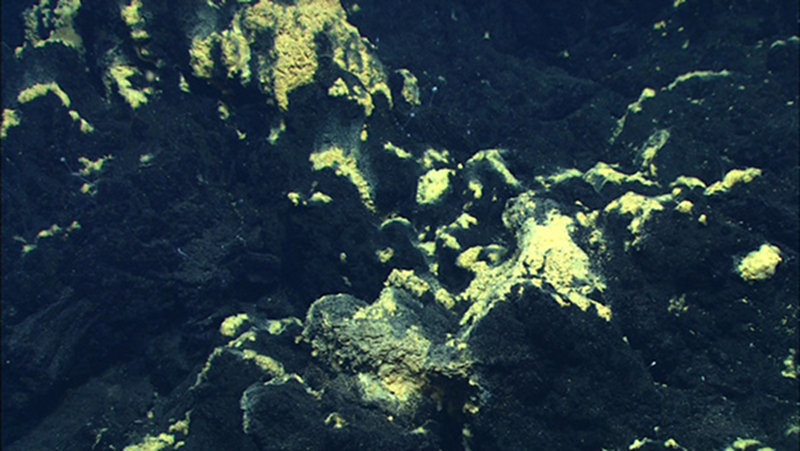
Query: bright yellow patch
x=433, y=185
x=90, y=167
x=120, y=74
x=546, y=255
x=760, y=264
x=602, y=173
x=410, y=91
x=292, y=62
x=397, y=151
x=385, y=254
x=407, y=280
x=434, y=158
x=732, y=178
x=10, y=119
x=41, y=89
x=345, y=164
x=318, y=198
x=132, y=17
x=230, y=325
x=54, y=21
x=493, y=160
x=636, y=205
x=85, y=126
x=684, y=206
x=335, y=420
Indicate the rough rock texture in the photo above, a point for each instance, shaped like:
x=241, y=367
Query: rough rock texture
x=444, y=225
